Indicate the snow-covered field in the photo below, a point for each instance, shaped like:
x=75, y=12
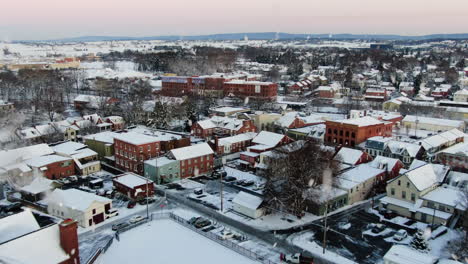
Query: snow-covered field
x=165, y=241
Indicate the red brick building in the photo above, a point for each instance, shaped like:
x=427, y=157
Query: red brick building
x=350, y=132
x=232, y=144
x=249, y=159
x=440, y=93
x=255, y=89
x=194, y=160
x=132, y=149
x=222, y=126
x=133, y=186
x=376, y=95
x=53, y=166
x=117, y=122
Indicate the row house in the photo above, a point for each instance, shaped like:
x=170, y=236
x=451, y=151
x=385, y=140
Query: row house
x=417, y=194
x=461, y=96
x=388, y=147
x=351, y=156
x=391, y=167
x=393, y=117
x=222, y=127
x=249, y=159
x=132, y=149
x=350, y=132
x=53, y=167
x=456, y=156
x=254, y=89
x=117, y=122
x=301, y=86
x=437, y=143
x=86, y=160
x=325, y=92
x=232, y=144
x=194, y=160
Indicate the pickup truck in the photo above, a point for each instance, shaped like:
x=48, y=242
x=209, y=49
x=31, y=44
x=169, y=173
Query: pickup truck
x=297, y=258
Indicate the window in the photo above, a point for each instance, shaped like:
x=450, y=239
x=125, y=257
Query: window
x=430, y=204
x=392, y=191
x=413, y=197
x=399, y=182
x=329, y=131
x=149, y=147
x=407, y=185
x=341, y=132
x=442, y=207
x=403, y=194
x=353, y=135
x=141, y=149
x=347, y=133
x=94, y=211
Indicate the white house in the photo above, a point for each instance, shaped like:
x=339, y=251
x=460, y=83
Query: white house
x=86, y=208
x=400, y=254
x=248, y=205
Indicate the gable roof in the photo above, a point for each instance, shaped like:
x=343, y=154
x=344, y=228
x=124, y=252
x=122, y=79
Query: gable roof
x=75, y=199
x=9, y=157
x=349, y=155
x=268, y=138
x=132, y=180
x=422, y=177
x=16, y=225
x=247, y=200
x=45, y=160
x=192, y=151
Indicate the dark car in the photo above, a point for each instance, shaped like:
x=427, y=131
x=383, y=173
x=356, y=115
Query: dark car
x=240, y=182
x=198, y=191
x=378, y=228
x=131, y=204
x=119, y=226
x=192, y=220
x=229, y=179
x=14, y=207
x=248, y=183
x=202, y=223
x=146, y=200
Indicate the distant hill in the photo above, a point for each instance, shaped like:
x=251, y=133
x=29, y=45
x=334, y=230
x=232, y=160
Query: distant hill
x=264, y=36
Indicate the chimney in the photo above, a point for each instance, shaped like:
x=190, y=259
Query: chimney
x=69, y=239
x=216, y=143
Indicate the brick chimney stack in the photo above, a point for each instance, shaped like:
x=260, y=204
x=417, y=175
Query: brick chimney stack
x=69, y=240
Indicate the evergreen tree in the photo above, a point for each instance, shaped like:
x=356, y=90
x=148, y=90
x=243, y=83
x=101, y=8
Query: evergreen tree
x=417, y=84
x=419, y=242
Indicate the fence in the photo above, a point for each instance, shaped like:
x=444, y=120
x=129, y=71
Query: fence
x=227, y=243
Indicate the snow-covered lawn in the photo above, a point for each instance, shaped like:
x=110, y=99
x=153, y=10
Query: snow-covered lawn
x=165, y=241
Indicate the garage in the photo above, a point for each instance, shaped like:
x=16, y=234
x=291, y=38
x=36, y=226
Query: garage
x=98, y=218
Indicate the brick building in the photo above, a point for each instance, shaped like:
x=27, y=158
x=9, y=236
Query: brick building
x=232, y=144
x=222, y=126
x=194, y=160
x=132, y=149
x=376, y=95
x=53, y=166
x=255, y=89
x=133, y=186
x=350, y=132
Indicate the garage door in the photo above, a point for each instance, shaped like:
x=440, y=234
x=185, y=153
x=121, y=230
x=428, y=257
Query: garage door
x=98, y=218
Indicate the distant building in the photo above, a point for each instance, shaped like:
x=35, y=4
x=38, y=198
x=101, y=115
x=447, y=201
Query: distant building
x=222, y=127
x=432, y=124
x=253, y=89
x=381, y=46
x=350, y=132
x=134, y=186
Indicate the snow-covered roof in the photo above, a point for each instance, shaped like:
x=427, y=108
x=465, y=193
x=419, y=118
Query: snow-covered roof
x=349, y=155
x=161, y=161
x=361, y=122
x=380, y=161
x=42, y=247
x=68, y=148
x=450, y=196
x=441, y=139
x=75, y=199
x=106, y=137
x=247, y=200
x=237, y=138
x=45, y=160
x=398, y=147
x=404, y=255
x=433, y=121
x=268, y=138
x=136, y=138
x=457, y=149
x=38, y=185
x=422, y=177
x=9, y=157
x=16, y=225
x=132, y=180
x=323, y=194
x=227, y=109
x=206, y=124
x=361, y=173
x=192, y=151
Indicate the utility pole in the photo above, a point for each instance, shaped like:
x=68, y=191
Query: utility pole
x=325, y=228
x=221, y=186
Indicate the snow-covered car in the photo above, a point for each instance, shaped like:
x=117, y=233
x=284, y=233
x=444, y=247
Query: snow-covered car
x=119, y=226
x=400, y=235
x=378, y=228
x=226, y=234
x=112, y=212
x=136, y=219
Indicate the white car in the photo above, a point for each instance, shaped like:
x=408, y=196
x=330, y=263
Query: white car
x=226, y=234
x=112, y=212
x=400, y=235
x=136, y=219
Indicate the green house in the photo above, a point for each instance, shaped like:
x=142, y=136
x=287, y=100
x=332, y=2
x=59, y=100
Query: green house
x=162, y=170
x=102, y=143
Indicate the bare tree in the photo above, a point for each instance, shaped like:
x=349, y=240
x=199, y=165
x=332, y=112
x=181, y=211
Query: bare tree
x=294, y=169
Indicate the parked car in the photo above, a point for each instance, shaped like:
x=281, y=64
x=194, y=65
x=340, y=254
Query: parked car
x=136, y=219
x=14, y=207
x=400, y=235
x=229, y=179
x=389, y=214
x=248, y=183
x=131, y=204
x=146, y=200
x=201, y=223
x=192, y=220
x=240, y=182
x=378, y=228
x=112, y=212
x=119, y=226
x=198, y=191
x=226, y=234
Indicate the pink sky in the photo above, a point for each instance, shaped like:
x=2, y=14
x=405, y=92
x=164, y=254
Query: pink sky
x=44, y=19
